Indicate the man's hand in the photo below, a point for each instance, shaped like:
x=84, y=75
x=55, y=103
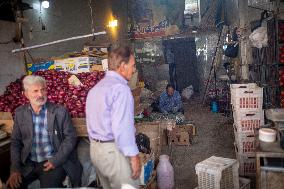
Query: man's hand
x=165, y=112
x=14, y=180
x=48, y=166
x=135, y=166
x=175, y=109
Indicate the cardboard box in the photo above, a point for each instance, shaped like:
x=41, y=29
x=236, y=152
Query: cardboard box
x=97, y=67
x=136, y=96
x=138, y=109
x=73, y=80
x=6, y=120
x=49, y=65
x=75, y=65
x=105, y=64
x=136, y=91
x=179, y=138
x=189, y=127
x=136, y=101
x=133, y=81
x=181, y=134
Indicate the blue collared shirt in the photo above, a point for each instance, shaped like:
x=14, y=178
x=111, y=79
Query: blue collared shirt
x=169, y=103
x=42, y=148
x=110, y=113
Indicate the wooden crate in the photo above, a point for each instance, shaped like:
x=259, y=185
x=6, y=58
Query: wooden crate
x=271, y=180
x=80, y=126
x=6, y=120
x=155, y=132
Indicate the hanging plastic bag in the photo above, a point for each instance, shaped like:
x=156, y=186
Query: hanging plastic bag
x=259, y=37
x=232, y=50
x=187, y=92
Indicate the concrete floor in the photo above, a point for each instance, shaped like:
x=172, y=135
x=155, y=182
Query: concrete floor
x=214, y=137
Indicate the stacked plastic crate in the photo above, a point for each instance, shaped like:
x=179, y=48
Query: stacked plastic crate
x=246, y=100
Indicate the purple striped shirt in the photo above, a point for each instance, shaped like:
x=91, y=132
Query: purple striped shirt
x=110, y=113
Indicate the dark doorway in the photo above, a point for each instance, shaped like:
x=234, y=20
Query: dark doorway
x=184, y=71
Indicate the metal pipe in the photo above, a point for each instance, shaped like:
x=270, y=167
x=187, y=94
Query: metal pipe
x=58, y=41
x=276, y=169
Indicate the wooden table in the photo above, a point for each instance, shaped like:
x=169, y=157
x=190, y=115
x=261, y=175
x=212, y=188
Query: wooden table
x=267, y=150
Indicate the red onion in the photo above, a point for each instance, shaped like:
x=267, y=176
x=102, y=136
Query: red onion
x=58, y=89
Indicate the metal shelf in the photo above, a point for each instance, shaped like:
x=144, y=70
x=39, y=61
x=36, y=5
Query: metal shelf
x=261, y=5
x=269, y=65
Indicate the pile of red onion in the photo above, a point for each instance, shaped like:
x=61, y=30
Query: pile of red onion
x=59, y=91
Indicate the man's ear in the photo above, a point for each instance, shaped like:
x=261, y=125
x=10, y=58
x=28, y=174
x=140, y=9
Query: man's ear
x=121, y=67
x=25, y=94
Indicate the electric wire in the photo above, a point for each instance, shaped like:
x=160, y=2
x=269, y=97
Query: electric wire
x=92, y=18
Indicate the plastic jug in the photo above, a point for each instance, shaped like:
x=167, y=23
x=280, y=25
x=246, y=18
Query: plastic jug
x=165, y=173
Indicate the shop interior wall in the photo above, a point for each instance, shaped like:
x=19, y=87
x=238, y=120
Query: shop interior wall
x=11, y=65
x=68, y=18
x=150, y=62
x=206, y=42
x=154, y=69
x=63, y=19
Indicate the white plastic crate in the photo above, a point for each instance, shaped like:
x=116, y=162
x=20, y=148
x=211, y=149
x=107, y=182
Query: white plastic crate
x=244, y=183
x=247, y=122
x=218, y=173
x=237, y=90
x=244, y=144
x=247, y=165
x=246, y=97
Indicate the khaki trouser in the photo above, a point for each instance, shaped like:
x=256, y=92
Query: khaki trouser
x=112, y=167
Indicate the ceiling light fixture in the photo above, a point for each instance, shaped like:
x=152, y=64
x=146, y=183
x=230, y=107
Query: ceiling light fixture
x=45, y=4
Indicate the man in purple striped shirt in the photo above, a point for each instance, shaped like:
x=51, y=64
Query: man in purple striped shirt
x=110, y=124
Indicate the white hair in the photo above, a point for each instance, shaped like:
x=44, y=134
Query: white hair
x=33, y=79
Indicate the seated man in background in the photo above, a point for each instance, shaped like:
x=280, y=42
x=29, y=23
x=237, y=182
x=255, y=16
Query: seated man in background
x=170, y=101
x=43, y=141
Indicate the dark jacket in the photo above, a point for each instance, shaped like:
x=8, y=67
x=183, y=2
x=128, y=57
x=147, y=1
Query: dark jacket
x=62, y=135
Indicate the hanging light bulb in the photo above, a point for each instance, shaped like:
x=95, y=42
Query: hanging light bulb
x=112, y=23
x=45, y=4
